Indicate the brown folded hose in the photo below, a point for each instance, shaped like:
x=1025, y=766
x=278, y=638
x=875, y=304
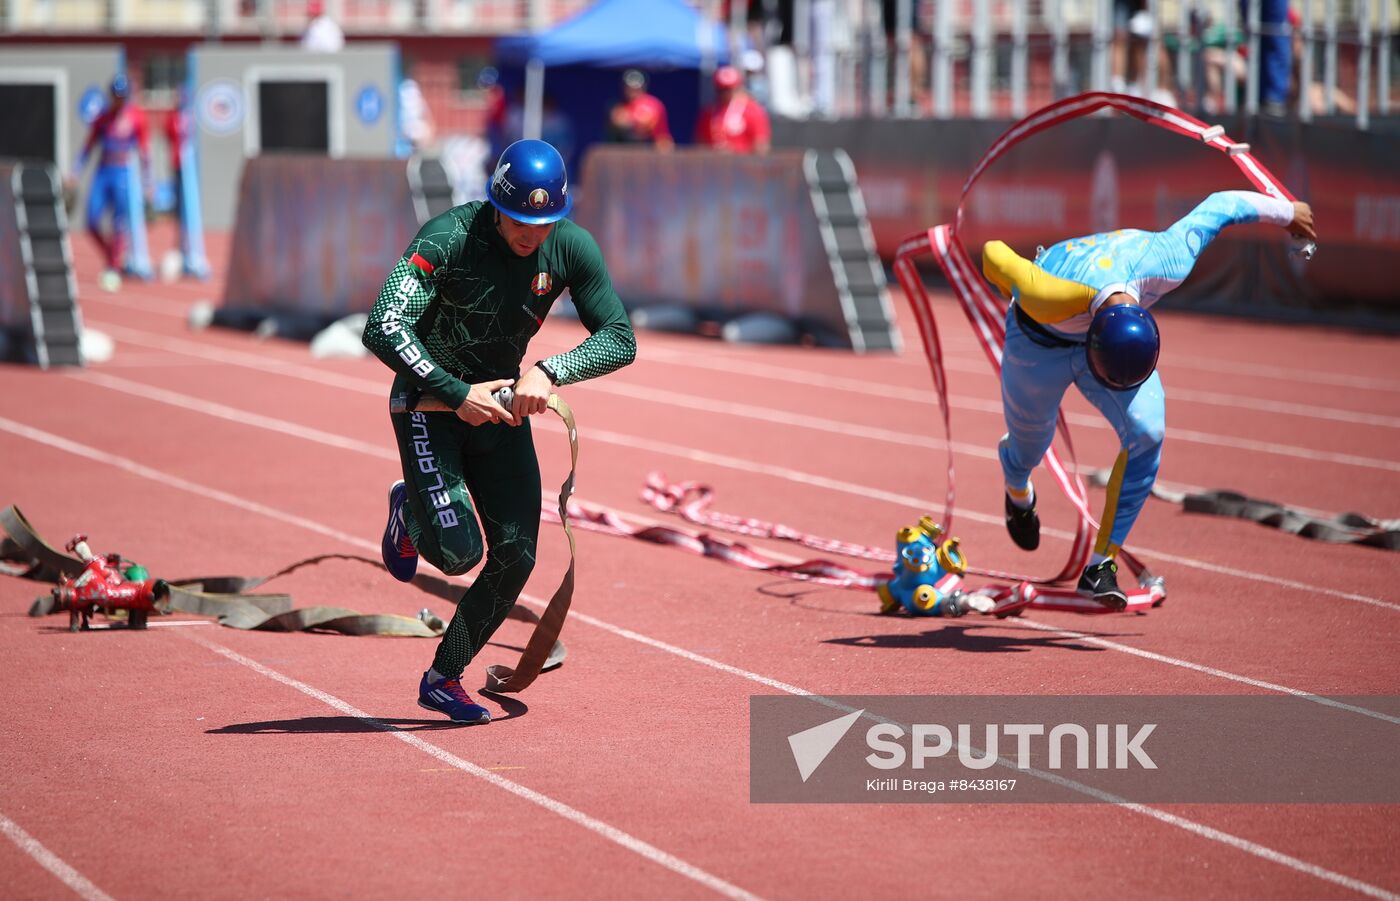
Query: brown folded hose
x=538, y=651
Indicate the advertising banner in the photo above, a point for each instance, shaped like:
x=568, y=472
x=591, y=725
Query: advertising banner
x=1110, y=172
x=317, y=236
x=723, y=235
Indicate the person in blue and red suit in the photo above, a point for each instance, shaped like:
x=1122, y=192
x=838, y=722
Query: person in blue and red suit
x=118, y=131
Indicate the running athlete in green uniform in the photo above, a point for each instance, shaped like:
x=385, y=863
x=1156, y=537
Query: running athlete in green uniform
x=453, y=321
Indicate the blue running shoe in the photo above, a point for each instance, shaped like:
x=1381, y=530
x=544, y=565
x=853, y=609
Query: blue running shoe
x=400, y=556
x=449, y=697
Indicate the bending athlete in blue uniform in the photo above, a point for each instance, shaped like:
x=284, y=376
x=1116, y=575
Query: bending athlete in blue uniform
x=1079, y=315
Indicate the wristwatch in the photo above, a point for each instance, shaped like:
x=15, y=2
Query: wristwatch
x=548, y=372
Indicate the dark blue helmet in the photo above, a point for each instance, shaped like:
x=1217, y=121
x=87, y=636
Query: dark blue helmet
x=530, y=184
x=1122, y=346
x=120, y=86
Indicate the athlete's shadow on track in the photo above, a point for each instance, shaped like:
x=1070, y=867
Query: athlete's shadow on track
x=972, y=637
x=323, y=725
x=306, y=725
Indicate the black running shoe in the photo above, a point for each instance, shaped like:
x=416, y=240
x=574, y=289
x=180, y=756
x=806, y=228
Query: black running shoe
x=1023, y=525
x=1101, y=583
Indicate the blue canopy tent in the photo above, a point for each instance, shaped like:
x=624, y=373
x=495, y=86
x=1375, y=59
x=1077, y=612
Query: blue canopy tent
x=671, y=41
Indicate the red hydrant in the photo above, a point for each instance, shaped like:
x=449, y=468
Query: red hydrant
x=102, y=586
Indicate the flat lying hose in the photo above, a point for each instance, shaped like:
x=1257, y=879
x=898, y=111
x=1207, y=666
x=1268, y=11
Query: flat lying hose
x=1344, y=528
x=1340, y=528
x=226, y=598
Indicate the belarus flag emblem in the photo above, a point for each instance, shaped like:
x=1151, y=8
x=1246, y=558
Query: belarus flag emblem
x=541, y=284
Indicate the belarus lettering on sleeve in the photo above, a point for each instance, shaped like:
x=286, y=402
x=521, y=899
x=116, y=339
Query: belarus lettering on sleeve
x=408, y=350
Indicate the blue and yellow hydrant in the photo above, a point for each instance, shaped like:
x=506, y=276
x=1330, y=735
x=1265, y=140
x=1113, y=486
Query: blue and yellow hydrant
x=927, y=575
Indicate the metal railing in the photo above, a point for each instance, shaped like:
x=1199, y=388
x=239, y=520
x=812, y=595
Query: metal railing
x=281, y=18
x=992, y=58
x=942, y=58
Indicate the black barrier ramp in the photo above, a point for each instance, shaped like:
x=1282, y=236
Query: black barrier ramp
x=728, y=236
x=1110, y=172
x=14, y=292
x=39, y=318
x=314, y=240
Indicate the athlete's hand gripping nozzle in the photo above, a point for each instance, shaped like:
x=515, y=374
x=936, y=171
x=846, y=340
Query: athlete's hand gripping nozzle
x=1303, y=231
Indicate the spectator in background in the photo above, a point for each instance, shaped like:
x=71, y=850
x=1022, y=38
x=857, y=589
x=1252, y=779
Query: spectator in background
x=1342, y=102
x=1133, y=29
x=1216, y=55
x=322, y=34
x=1124, y=58
x=1217, y=59
x=918, y=52
x=488, y=82
x=639, y=118
x=416, y=117
x=556, y=129
x=1275, y=54
x=118, y=132
x=179, y=126
x=735, y=122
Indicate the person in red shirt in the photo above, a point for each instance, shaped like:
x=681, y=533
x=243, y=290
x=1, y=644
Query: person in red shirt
x=639, y=118
x=735, y=122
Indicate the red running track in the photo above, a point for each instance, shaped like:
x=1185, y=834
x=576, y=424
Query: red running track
x=194, y=760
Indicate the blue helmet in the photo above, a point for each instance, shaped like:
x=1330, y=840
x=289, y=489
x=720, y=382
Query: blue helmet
x=530, y=184
x=1122, y=346
x=120, y=86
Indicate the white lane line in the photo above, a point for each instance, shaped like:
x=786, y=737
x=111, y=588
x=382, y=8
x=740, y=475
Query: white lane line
x=924, y=396
x=1199, y=829
x=159, y=307
x=746, y=411
x=130, y=360
x=319, y=375
x=604, y=830
x=1162, y=816
x=1213, y=671
x=957, y=342
x=232, y=414
x=221, y=411
x=155, y=475
x=1305, y=376
x=856, y=430
x=960, y=341
x=50, y=861
x=740, y=464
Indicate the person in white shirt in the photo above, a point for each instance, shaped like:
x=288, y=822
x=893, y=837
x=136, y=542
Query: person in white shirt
x=322, y=34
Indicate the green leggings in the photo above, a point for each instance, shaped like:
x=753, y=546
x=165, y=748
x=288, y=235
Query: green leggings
x=454, y=473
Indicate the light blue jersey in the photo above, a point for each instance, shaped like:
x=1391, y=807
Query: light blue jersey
x=1146, y=264
x=1086, y=271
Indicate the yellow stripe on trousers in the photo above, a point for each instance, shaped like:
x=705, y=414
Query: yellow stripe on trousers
x=1110, y=507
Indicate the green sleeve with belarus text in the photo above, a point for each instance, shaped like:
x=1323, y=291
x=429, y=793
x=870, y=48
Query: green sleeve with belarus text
x=392, y=331
x=612, y=344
